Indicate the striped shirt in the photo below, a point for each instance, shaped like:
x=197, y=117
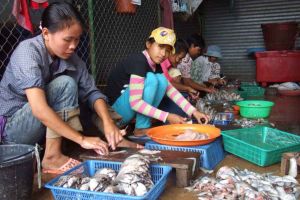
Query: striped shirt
x=136, y=87
x=132, y=72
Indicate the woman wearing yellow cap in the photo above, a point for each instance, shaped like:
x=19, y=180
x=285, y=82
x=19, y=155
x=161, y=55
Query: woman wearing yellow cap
x=136, y=86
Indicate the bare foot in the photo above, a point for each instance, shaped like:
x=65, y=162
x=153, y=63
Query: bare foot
x=127, y=143
x=139, y=132
x=54, y=162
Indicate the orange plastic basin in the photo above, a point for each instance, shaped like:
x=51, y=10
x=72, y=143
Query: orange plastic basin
x=167, y=134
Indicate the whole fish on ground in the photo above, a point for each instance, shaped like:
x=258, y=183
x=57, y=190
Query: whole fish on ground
x=235, y=184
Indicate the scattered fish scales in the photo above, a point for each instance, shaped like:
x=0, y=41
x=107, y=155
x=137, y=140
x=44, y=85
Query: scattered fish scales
x=248, y=123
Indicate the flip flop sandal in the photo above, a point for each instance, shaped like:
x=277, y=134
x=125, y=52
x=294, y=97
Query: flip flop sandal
x=65, y=167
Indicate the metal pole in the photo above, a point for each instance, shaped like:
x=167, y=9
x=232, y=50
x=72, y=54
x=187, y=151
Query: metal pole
x=92, y=38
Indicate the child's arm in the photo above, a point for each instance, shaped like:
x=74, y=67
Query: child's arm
x=190, y=110
x=200, y=87
x=177, y=98
x=184, y=88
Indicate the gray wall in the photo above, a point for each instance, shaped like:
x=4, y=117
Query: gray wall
x=237, y=27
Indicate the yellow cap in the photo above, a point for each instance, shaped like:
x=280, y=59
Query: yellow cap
x=174, y=72
x=164, y=35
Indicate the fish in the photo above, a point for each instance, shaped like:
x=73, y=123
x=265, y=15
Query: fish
x=189, y=134
x=233, y=183
x=248, y=123
x=205, y=108
x=68, y=181
x=148, y=151
x=223, y=95
x=134, y=177
x=99, y=182
x=112, y=174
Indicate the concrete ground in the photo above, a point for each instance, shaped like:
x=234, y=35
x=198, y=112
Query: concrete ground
x=285, y=115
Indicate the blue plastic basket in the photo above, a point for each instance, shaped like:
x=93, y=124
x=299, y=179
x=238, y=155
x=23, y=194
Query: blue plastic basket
x=210, y=154
x=159, y=176
x=219, y=118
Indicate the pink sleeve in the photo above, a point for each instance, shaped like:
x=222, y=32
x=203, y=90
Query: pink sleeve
x=177, y=98
x=165, y=65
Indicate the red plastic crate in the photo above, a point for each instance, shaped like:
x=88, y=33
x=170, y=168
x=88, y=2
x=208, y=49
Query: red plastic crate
x=277, y=66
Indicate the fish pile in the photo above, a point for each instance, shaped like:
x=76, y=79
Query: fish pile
x=248, y=123
x=223, y=95
x=190, y=134
x=134, y=178
x=151, y=155
x=205, y=108
x=235, y=184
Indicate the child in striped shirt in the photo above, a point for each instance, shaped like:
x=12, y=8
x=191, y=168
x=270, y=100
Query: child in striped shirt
x=136, y=86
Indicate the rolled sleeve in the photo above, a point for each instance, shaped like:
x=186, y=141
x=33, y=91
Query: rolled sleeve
x=93, y=97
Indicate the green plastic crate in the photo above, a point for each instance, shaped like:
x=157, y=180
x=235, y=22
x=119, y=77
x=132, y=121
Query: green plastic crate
x=248, y=84
x=251, y=91
x=262, y=146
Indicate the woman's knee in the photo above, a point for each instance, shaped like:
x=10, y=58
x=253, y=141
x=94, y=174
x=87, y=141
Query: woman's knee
x=67, y=83
x=62, y=92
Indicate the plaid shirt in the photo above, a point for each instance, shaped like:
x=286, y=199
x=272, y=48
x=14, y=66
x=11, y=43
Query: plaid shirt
x=29, y=68
x=2, y=125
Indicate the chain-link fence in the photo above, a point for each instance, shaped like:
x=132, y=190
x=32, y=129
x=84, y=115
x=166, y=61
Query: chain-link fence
x=113, y=36
x=109, y=37
x=10, y=33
